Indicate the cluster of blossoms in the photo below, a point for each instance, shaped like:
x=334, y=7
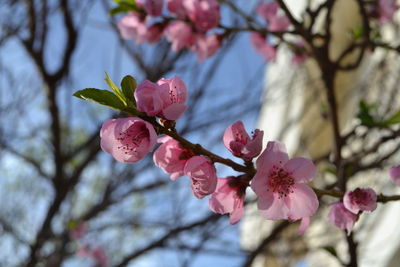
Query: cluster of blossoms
x=346, y=213
x=385, y=10
x=188, y=24
x=277, y=22
x=279, y=183
x=95, y=253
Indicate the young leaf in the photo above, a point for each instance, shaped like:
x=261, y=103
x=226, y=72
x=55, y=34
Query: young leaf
x=102, y=97
x=394, y=119
x=128, y=85
x=115, y=89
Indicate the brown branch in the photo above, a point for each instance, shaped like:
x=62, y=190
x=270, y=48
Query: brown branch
x=162, y=240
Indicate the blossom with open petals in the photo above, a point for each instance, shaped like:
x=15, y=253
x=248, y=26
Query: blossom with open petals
x=360, y=200
x=202, y=174
x=239, y=142
x=229, y=198
x=127, y=139
x=280, y=185
x=171, y=157
x=341, y=217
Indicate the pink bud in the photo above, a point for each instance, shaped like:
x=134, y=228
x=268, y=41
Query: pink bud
x=229, y=198
x=341, y=217
x=180, y=34
x=127, y=139
x=171, y=157
x=395, y=175
x=204, y=13
x=152, y=7
x=360, y=199
x=239, y=142
x=148, y=98
x=203, y=176
x=205, y=46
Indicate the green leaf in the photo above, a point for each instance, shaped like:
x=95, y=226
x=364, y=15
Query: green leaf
x=128, y=85
x=115, y=89
x=102, y=97
x=119, y=9
x=364, y=114
x=394, y=119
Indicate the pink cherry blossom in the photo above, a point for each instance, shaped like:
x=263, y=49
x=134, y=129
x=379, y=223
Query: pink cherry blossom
x=202, y=174
x=395, y=175
x=239, y=142
x=229, y=198
x=204, y=13
x=180, y=34
x=386, y=10
x=152, y=7
x=79, y=231
x=130, y=24
x=260, y=43
x=148, y=98
x=173, y=93
x=152, y=34
x=171, y=157
x=127, y=139
x=360, y=199
x=280, y=185
x=176, y=8
x=205, y=46
x=341, y=217
x=270, y=12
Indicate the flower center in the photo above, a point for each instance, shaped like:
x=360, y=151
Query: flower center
x=132, y=138
x=280, y=181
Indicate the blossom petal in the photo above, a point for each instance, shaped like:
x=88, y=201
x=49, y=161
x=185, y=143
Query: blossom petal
x=272, y=207
x=303, y=202
x=305, y=222
x=274, y=155
x=303, y=170
x=174, y=111
x=259, y=184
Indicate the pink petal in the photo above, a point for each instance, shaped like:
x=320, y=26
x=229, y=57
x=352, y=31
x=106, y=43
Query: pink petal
x=303, y=202
x=174, y=111
x=305, y=222
x=237, y=213
x=272, y=207
x=303, y=170
x=259, y=184
x=274, y=155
